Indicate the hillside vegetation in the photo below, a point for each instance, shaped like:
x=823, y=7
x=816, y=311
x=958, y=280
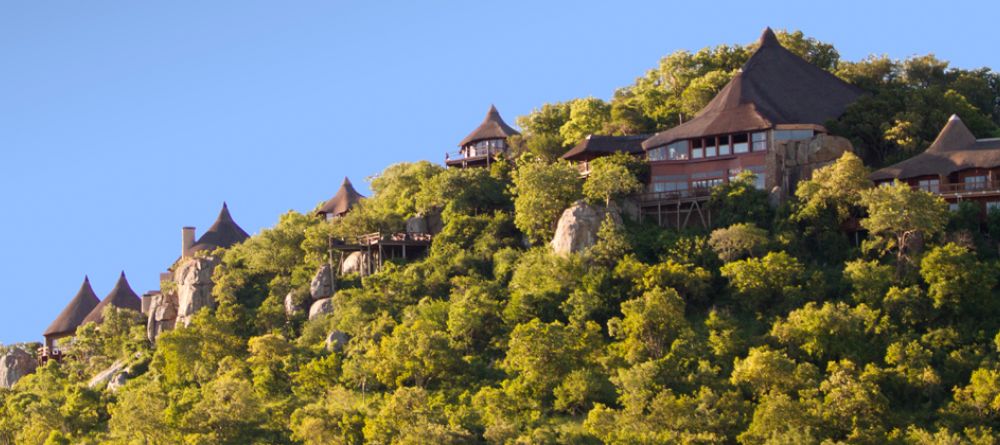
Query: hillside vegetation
x=778, y=327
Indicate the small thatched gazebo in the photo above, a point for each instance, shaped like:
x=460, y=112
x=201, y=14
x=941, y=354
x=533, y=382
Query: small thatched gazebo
x=73, y=314
x=342, y=202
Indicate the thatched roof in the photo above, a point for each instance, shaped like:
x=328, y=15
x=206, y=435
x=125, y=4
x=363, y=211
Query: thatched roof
x=601, y=145
x=73, y=314
x=224, y=233
x=122, y=296
x=774, y=87
x=493, y=127
x=954, y=149
x=343, y=201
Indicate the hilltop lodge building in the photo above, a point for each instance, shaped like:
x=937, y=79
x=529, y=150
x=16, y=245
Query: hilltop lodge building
x=769, y=119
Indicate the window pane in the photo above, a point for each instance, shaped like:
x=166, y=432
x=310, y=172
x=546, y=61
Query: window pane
x=697, y=153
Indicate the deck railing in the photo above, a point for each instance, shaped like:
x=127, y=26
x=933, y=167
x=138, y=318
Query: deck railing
x=969, y=188
x=373, y=238
x=676, y=195
x=479, y=154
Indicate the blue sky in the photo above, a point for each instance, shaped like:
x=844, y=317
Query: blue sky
x=122, y=121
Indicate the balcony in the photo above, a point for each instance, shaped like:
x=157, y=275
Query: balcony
x=968, y=189
x=693, y=194
x=477, y=157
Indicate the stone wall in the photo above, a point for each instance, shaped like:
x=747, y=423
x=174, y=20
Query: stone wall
x=789, y=162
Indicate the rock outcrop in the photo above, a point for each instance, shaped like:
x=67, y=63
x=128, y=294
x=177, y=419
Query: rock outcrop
x=162, y=315
x=194, y=287
x=353, y=263
x=429, y=222
x=795, y=160
x=321, y=307
x=578, y=226
x=337, y=341
x=102, y=378
x=322, y=283
x=14, y=365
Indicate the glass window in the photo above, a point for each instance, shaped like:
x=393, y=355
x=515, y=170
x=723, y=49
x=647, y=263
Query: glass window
x=759, y=141
x=741, y=143
x=697, y=153
x=930, y=185
x=656, y=154
x=710, y=148
x=725, y=147
x=792, y=135
x=759, y=182
x=678, y=150
x=953, y=206
x=975, y=182
x=992, y=206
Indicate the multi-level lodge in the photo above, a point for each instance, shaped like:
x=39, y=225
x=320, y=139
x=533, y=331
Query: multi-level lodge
x=956, y=166
x=765, y=120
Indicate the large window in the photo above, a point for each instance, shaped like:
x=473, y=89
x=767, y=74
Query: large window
x=725, y=148
x=657, y=154
x=930, y=185
x=992, y=206
x=792, y=135
x=677, y=150
x=975, y=182
x=741, y=143
x=759, y=141
x=710, y=148
x=706, y=183
x=670, y=186
x=697, y=149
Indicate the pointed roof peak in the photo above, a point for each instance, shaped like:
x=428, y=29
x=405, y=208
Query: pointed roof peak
x=121, y=296
x=768, y=38
x=492, y=127
x=223, y=233
x=345, y=198
x=75, y=312
x=954, y=136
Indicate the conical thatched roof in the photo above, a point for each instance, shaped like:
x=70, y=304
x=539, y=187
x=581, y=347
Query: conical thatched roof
x=493, y=127
x=73, y=314
x=122, y=296
x=774, y=87
x=954, y=149
x=224, y=233
x=343, y=201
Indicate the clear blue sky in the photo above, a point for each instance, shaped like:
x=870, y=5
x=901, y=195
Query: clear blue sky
x=122, y=121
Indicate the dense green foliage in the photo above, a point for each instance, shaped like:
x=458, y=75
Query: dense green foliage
x=778, y=327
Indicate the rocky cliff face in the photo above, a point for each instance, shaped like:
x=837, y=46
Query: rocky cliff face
x=15, y=364
x=322, y=283
x=162, y=314
x=194, y=287
x=794, y=161
x=193, y=290
x=353, y=263
x=578, y=226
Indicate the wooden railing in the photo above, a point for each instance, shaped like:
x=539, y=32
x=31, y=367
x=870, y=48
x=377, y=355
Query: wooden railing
x=373, y=238
x=968, y=188
x=460, y=155
x=676, y=195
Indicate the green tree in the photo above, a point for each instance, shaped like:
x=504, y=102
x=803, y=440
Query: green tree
x=738, y=241
x=898, y=215
x=586, y=116
x=836, y=187
x=611, y=178
x=760, y=282
x=650, y=325
x=954, y=276
x=542, y=191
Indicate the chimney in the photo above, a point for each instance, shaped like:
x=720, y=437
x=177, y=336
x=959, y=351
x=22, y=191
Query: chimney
x=187, y=241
